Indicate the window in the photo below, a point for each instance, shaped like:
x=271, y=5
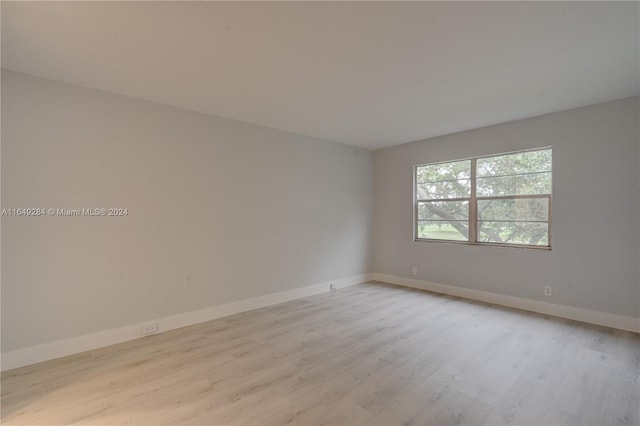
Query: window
x=503, y=200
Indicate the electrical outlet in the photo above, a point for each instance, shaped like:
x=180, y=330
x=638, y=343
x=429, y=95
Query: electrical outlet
x=149, y=328
x=547, y=291
x=414, y=270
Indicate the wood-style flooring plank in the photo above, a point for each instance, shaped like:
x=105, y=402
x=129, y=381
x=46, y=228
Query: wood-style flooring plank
x=372, y=354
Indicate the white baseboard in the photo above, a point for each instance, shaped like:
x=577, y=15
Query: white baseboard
x=585, y=315
x=74, y=345
x=51, y=350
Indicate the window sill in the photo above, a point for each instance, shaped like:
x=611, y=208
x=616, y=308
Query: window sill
x=467, y=243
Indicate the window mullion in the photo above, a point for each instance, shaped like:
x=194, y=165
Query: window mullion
x=473, y=206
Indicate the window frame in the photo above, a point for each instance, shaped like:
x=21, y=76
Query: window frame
x=473, y=203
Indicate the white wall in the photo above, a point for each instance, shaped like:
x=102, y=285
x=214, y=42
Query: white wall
x=222, y=211
x=219, y=211
x=593, y=263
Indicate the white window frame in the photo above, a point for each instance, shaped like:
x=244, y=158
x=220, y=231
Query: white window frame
x=473, y=203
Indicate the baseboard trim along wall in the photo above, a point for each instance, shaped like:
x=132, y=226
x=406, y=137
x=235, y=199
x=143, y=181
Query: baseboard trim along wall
x=57, y=349
x=584, y=315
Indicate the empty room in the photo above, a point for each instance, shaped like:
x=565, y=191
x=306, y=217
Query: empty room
x=320, y=213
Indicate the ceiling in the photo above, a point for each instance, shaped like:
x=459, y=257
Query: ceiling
x=369, y=74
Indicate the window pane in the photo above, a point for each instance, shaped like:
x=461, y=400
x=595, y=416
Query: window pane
x=529, y=233
x=443, y=230
x=444, y=171
x=443, y=194
x=443, y=210
x=450, y=189
x=523, y=209
x=510, y=164
x=538, y=183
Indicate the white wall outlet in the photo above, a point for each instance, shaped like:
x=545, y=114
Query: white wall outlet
x=414, y=270
x=332, y=286
x=149, y=328
x=547, y=290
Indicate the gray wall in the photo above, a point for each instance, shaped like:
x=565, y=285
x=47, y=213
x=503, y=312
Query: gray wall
x=219, y=211
x=593, y=263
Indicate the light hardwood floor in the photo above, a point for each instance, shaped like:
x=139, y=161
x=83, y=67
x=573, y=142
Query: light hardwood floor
x=372, y=354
